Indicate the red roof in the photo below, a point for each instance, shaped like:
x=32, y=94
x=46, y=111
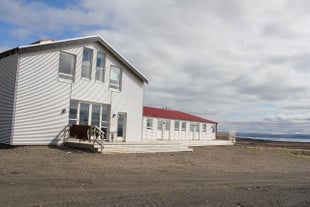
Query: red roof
x=172, y=114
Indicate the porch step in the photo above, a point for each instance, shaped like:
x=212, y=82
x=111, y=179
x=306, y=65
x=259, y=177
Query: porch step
x=144, y=147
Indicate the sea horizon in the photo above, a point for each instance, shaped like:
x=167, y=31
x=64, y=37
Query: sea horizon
x=274, y=136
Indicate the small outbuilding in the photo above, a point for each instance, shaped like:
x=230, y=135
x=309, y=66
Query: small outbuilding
x=166, y=124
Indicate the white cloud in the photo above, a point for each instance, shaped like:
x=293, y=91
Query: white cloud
x=224, y=60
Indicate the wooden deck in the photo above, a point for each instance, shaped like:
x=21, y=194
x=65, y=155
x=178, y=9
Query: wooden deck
x=145, y=147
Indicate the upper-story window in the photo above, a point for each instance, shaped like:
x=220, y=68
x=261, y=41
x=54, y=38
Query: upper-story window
x=115, y=77
x=86, y=63
x=100, y=66
x=66, y=65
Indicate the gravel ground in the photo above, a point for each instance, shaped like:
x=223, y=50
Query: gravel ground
x=241, y=175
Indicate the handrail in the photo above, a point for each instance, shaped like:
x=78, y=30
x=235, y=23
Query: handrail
x=96, y=131
x=66, y=133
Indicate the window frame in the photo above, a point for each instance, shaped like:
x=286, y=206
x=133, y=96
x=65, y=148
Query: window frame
x=118, y=87
x=149, y=123
x=62, y=75
x=167, y=125
x=90, y=63
x=176, y=125
x=204, y=127
x=102, y=79
x=160, y=126
x=183, y=127
x=191, y=127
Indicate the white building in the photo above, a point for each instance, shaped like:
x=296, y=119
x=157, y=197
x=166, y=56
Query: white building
x=50, y=84
x=165, y=124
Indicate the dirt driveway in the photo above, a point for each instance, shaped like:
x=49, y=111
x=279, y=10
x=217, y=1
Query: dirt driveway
x=208, y=176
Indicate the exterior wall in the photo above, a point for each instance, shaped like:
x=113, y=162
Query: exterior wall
x=8, y=68
x=42, y=96
x=155, y=134
x=40, y=100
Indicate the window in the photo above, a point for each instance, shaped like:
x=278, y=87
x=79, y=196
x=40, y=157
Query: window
x=66, y=66
x=95, y=116
x=73, y=112
x=105, y=116
x=100, y=67
x=213, y=129
x=84, y=114
x=176, y=125
x=197, y=127
x=159, y=124
x=204, y=127
x=167, y=125
x=115, y=77
x=192, y=125
x=149, y=123
x=183, y=126
x=86, y=64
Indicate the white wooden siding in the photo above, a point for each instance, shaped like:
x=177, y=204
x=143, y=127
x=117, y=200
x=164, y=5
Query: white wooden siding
x=152, y=134
x=8, y=68
x=42, y=96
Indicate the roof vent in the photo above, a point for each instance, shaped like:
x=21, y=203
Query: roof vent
x=43, y=41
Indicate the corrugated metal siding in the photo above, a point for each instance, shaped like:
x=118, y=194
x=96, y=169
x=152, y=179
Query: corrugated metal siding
x=8, y=68
x=40, y=100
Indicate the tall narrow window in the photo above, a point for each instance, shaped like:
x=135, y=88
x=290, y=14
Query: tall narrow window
x=95, y=115
x=84, y=114
x=66, y=65
x=86, y=64
x=192, y=126
x=159, y=124
x=149, y=123
x=213, y=128
x=104, y=117
x=100, y=67
x=197, y=127
x=115, y=77
x=73, y=112
x=183, y=126
x=204, y=127
x=176, y=125
x=167, y=125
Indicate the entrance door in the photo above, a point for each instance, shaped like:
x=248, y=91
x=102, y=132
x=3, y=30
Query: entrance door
x=84, y=114
x=160, y=129
x=121, y=127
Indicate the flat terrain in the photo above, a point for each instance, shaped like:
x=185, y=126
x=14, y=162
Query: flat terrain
x=241, y=175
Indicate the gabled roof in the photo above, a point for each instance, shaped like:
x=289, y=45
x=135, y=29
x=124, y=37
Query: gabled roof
x=172, y=114
x=74, y=41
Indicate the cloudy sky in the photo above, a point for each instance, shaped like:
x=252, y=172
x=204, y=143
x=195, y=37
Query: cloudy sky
x=242, y=63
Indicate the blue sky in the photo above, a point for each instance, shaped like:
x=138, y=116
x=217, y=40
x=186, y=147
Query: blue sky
x=244, y=66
